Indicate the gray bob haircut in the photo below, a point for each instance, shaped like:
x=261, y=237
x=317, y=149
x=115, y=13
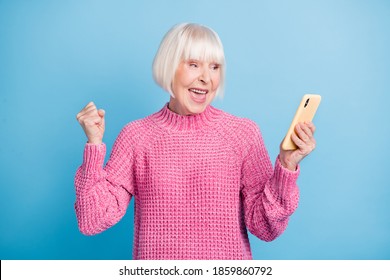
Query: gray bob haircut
x=187, y=41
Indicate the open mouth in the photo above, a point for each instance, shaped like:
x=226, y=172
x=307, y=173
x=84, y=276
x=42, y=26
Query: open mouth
x=198, y=91
x=198, y=95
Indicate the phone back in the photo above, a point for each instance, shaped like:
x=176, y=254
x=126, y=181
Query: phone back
x=305, y=112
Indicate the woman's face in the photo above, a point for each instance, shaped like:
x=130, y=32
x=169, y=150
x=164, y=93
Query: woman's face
x=194, y=86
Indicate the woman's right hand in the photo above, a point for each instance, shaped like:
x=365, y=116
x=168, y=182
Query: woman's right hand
x=92, y=121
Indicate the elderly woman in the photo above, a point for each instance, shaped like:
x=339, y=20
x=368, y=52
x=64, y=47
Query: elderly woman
x=200, y=177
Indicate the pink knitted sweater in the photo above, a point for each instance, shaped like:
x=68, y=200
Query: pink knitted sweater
x=199, y=182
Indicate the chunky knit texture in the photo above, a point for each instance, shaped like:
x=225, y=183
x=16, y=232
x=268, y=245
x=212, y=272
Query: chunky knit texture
x=199, y=183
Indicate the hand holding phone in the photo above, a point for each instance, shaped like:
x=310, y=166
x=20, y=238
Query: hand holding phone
x=305, y=113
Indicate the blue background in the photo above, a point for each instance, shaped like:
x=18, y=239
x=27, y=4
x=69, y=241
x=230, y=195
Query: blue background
x=56, y=56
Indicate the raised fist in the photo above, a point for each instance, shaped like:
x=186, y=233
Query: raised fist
x=92, y=121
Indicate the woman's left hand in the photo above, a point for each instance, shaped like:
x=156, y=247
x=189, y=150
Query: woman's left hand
x=303, y=137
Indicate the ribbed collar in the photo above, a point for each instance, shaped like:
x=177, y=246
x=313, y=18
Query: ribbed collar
x=170, y=120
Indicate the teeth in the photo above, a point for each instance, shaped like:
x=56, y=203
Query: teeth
x=198, y=91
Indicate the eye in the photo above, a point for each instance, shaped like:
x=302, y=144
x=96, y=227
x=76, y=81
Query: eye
x=215, y=66
x=193, y=64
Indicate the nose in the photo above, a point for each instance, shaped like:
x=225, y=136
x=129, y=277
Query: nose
x=204, y=76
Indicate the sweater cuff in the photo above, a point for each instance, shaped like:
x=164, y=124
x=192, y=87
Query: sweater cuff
x=94, y=157
x=285, y=178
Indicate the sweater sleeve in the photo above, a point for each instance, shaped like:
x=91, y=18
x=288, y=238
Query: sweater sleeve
x=103, y=194
x=270, y=195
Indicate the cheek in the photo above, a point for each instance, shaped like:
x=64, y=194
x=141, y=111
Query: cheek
x=186, y=78
x=216, y=81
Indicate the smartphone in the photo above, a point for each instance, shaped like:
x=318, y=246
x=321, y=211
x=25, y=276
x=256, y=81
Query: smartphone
x=305, y=112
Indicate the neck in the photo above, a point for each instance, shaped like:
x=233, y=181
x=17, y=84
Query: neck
x=185, y=109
